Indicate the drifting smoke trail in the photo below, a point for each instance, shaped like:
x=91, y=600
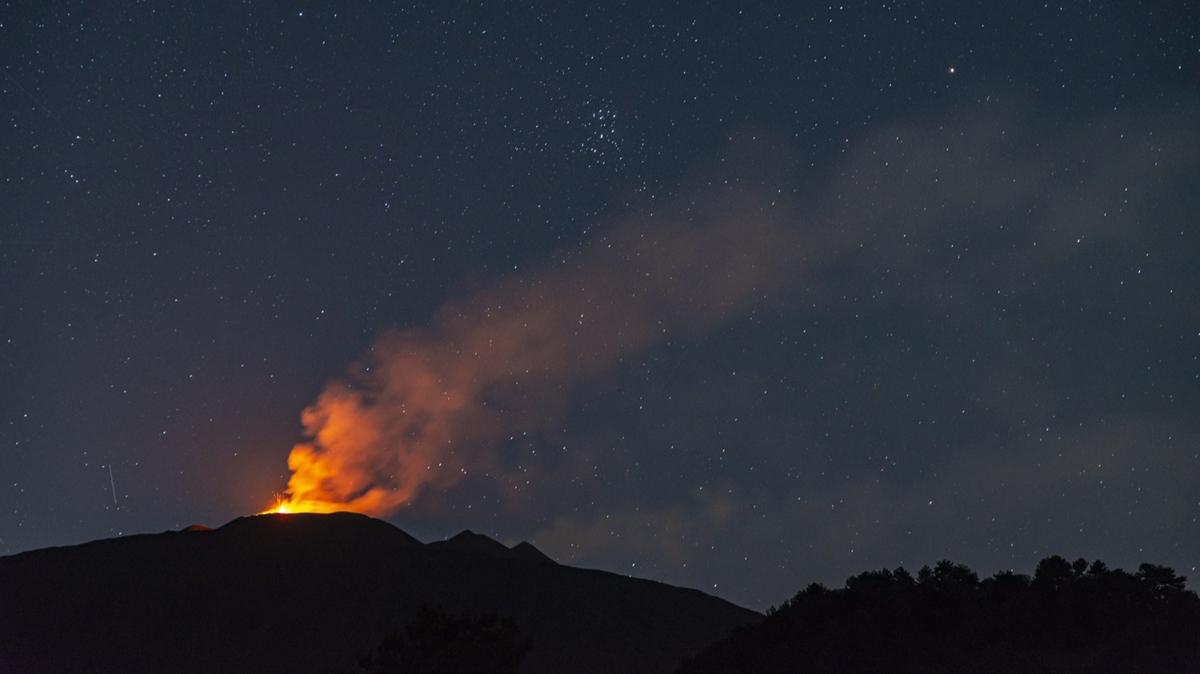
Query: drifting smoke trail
x=428, y=404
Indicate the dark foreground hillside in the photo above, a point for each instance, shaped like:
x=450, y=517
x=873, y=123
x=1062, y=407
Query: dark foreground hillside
x=312, y=593
x=1069, y=617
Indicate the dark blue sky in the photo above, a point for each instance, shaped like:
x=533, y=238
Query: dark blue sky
x=859, y=285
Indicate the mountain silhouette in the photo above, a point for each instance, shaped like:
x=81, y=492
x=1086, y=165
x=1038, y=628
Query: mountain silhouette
x=469, y=541
x=525, y=550
x=313, y=593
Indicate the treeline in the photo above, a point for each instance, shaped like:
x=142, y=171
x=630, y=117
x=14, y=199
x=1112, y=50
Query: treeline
x=1068, y=617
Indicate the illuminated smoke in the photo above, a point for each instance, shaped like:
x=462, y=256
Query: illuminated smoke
x=428, y=405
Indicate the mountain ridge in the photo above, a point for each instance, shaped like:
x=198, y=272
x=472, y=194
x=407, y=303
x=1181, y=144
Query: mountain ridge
x=475, y=543
x=311, y=593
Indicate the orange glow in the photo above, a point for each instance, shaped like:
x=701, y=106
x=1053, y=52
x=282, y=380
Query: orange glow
x=279, y=506
x=284, y=504
x=365, y=458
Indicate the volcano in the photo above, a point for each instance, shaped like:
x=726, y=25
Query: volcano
x=313, y=593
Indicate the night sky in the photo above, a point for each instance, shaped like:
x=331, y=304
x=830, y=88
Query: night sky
x=733, y=296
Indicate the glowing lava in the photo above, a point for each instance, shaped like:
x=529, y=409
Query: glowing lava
x=284, y=504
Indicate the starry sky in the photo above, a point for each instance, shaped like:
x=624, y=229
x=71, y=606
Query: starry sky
x=737, y=296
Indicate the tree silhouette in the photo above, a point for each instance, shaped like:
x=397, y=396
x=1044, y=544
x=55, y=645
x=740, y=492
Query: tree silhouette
x=1162, y=579
x=1069, y=617
x=1053, y=573
x=951, y=577
x=436, y=642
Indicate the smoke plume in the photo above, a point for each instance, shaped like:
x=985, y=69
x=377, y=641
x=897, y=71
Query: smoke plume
x=429, y=404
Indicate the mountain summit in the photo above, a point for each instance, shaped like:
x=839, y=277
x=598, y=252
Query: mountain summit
x=470, y=542
x=312, y=593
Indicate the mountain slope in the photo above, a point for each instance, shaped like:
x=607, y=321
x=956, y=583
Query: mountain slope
x=310, y=593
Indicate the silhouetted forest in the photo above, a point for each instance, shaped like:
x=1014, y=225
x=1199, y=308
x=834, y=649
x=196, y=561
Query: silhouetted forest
x=1068, y=617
